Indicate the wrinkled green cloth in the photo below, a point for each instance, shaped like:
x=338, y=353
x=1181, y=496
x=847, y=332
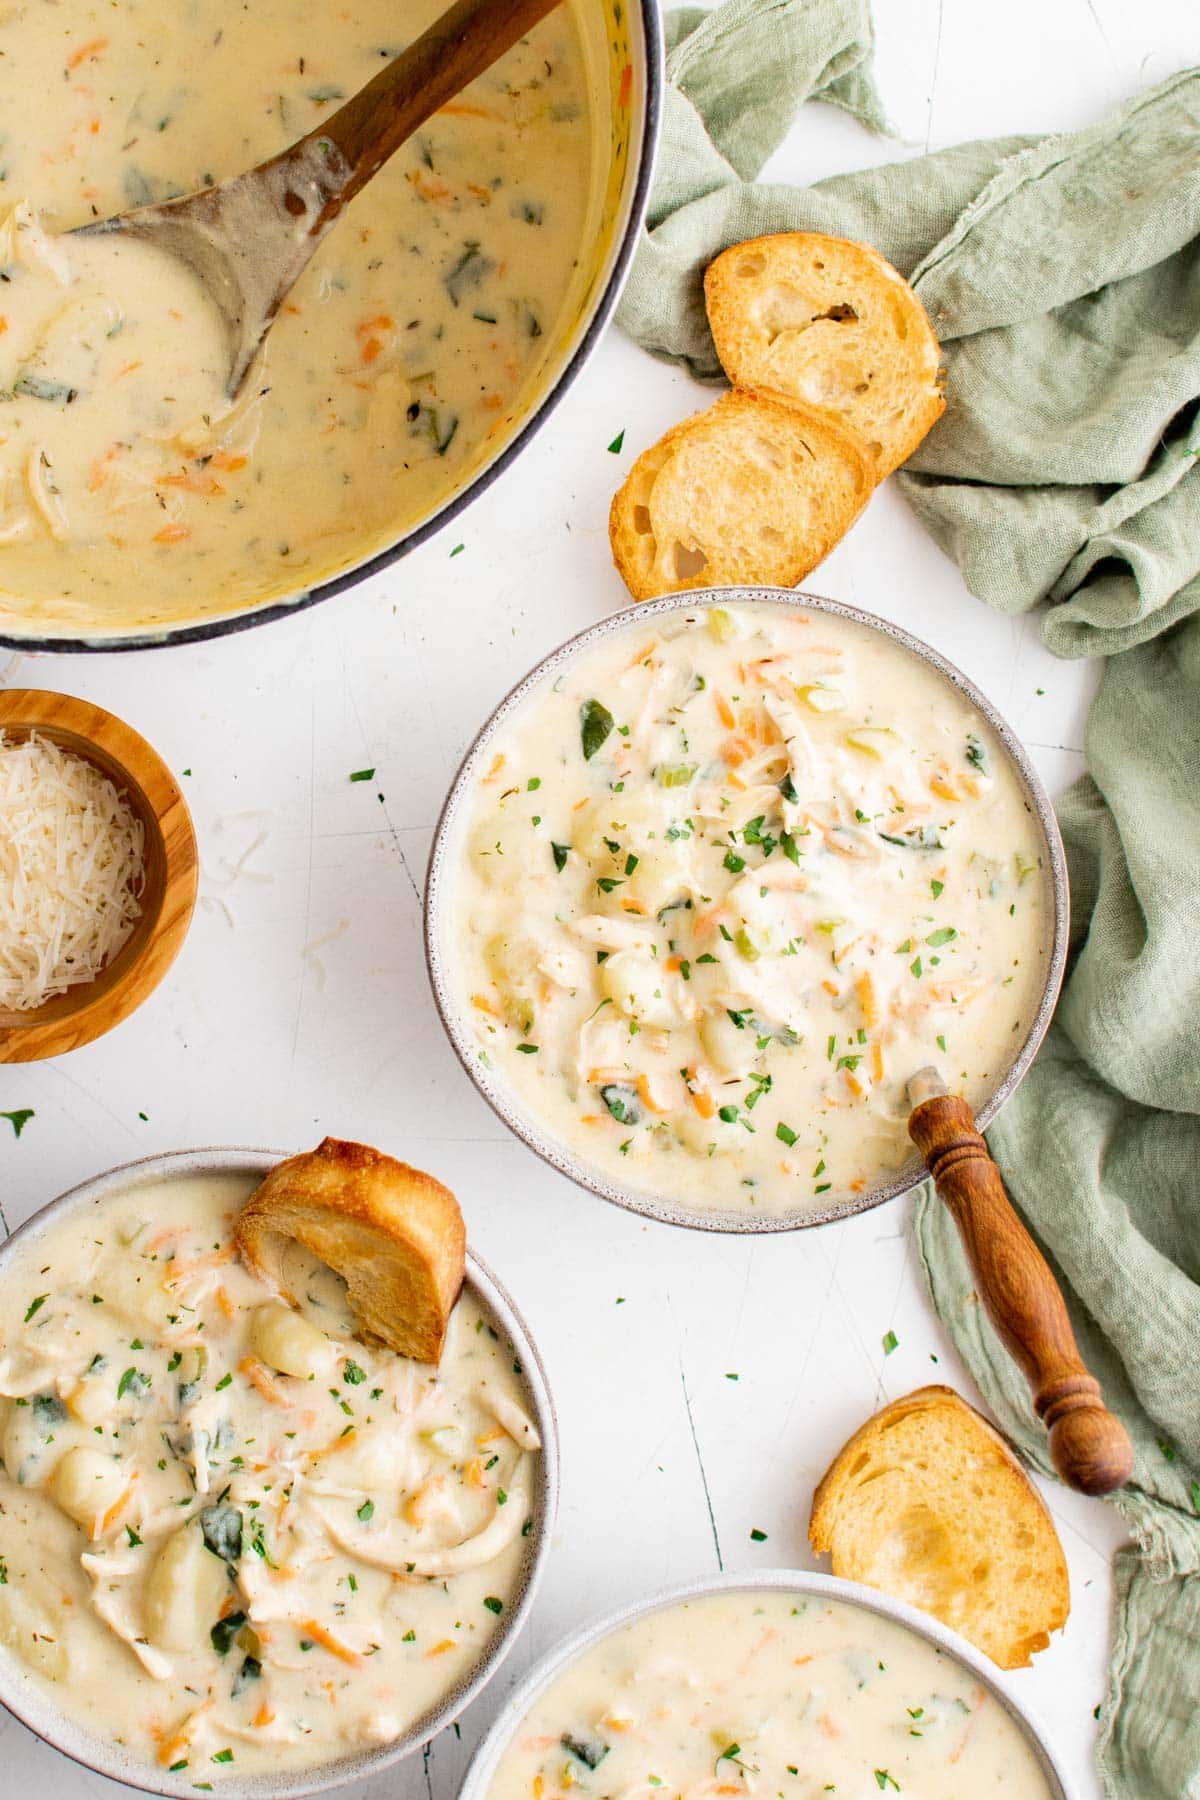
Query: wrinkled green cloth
x=1063, y=277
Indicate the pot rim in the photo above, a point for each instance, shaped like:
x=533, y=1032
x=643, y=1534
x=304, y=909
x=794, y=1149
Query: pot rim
x=27, y=1698
x=603, y=307
x=439, y=883
x=496, y=1740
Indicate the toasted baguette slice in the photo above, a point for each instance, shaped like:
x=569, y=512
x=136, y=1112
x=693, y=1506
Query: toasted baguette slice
x=833, y=325
x=752, y=490
x=396, y=1237
x=929, y=1504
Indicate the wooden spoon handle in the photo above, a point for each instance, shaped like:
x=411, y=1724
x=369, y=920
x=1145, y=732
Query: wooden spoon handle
x=439, y=64
x=1089, y=1446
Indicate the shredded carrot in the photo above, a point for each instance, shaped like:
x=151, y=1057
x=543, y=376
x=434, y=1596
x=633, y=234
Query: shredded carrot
x=441, y=1649
x=625, y=91
x=643, y=1088
x=435, y=191
x=264, y=1715
x=735, y=750
x=258, y=1378
x=867, y=1000
x=3, y=324
x=539, y=1787
x=334, y=1645
x=172, y=534
x=91, y=49
x=339, y=1443
x=673, y=964
x=831, y=987
x=467, y=109
x=227, y=1606
x=194, y=481
x=877, y=1060
x=497, y=765
x=490, y=1437
x=221, y=459
x=853, y=1083
x=484, y=1005
x=724, y=711
x=473, y=1473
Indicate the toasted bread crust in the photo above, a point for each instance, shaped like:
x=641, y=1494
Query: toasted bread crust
x=988, y=1563
x=394, y=1233
x=752, y=490
x=830, y=323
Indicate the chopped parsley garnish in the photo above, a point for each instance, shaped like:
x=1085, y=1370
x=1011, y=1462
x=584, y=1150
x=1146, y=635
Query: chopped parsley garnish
x=133, y=1382
x=756, y=1537
x=785, y=1134
x=19, y=1119
x=493, y=1604
x=363, y=775
x=890, y=1342
x=352, y=1373
x=614, y=449
x=35, y=1305
x=937, y=889
x=224, y=1382
x=560, y=852
x=528, y=1049
x=945, y=934
x=366, y=1512
x=134, y=1539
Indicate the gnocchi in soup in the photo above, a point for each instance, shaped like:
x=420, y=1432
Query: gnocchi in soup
x=232, y=1537
x=131, y=490
x=724, y=883
x=762, y=1692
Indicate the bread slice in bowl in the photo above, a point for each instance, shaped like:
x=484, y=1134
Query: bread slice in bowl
x=928, y=1503
x=394, y=1234
x=831, y=324
x=752, y=490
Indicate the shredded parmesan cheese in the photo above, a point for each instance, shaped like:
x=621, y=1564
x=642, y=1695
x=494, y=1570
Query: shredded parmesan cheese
x=71, y=871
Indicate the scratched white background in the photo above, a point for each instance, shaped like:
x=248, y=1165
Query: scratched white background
x=300, y=1006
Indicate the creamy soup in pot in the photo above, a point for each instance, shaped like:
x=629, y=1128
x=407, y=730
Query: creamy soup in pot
x=130, y=487
x=725, y=883
x=766, y=1693
x=232, y=1537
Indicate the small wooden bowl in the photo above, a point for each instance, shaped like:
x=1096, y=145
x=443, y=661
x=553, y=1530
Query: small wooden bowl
x=171, y=869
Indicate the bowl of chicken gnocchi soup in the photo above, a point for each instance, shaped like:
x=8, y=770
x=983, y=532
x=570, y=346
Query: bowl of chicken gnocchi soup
x=241, y=1549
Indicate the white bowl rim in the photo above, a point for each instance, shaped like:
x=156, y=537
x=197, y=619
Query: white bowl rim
x=439, y=881
x=26, y=1697
x=483, y=1763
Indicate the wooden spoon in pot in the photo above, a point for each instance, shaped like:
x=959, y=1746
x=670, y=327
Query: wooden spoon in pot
x=1089, y=1446
x=249, y=239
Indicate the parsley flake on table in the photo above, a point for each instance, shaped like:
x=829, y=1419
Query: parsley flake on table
x=363, y=775
x=19, y=1119
x=757, y=1536
x=890, y=1342
x=614, y=449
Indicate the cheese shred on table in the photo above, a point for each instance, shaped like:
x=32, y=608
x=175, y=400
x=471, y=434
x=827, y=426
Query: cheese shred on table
x=71, y=870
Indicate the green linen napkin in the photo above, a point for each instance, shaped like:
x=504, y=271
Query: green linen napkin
x=1063, y=277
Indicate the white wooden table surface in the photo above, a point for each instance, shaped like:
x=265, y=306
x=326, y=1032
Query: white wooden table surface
x=300, y=1005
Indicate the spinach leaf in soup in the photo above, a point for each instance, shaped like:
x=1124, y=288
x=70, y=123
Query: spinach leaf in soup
x=222, y=1528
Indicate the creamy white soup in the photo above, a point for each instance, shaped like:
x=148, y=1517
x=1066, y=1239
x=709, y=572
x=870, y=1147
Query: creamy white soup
x=232, y=1537
x=772, y=1694
x=725, y=883
x=131, y=490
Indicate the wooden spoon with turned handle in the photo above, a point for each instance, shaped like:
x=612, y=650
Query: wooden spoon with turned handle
x=1090, y=1447
x=249, y=239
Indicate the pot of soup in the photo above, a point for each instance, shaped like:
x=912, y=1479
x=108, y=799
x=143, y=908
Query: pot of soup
x=716, y=880
x=203, y=1493
x=430, y=336
x=808, y=1682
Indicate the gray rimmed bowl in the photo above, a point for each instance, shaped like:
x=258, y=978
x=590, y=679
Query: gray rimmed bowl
x=29, y=1699
x=439, y=902
x=483, y=1764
